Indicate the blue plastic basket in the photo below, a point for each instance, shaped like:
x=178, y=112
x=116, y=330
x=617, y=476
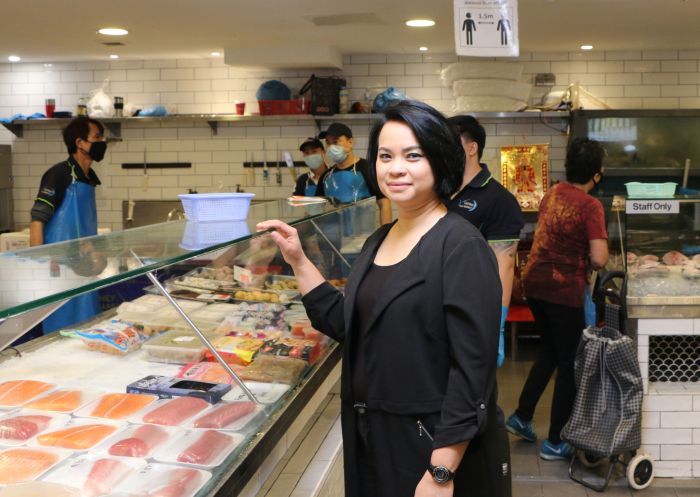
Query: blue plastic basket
x=216, y=206
x=655, y=190
x=202, y=235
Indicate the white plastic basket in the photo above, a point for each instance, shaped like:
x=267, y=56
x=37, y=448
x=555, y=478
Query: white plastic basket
x=216, y=206
x=201, y=235
x=642, y=190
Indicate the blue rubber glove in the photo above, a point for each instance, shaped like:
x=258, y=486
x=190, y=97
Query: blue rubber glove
x=501, y=351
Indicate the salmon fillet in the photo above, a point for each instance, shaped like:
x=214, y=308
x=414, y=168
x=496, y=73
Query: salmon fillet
x=81, y=437
x=59, y=401
x=22, y=464
x=121, y=405
x=15, y=393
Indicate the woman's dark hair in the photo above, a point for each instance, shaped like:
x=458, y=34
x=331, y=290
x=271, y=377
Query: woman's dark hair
x=438, y=140
x=584, y=159
x=79, y=128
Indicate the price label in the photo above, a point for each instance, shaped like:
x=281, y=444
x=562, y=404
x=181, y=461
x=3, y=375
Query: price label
x=242, y=275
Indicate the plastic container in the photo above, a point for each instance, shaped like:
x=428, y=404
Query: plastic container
x=65, y=400
x=156, y=477
x=15, y=393
x=34, y=462
x=650, y=190
x=76, y=435
x=266, y=393
x=31, y=423
x=199, y=235
x=175, y=347
x=116, y=406
x=95, y=475
x=276, y=107
x=216, y=206
x=139, y=432
x=216, y=416
x=201, y=448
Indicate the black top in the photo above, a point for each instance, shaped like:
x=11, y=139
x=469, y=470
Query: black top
x=362, y=167
x=300, y=187
x=367, y=295
x=486, y=204
x=444, y=301
x=53, y=186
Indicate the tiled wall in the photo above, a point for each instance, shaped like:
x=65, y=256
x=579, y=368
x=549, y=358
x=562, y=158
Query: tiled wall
x=671, y=411
x=658, y=79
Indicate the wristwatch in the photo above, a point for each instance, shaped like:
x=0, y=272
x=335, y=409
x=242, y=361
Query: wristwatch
x=441, y=474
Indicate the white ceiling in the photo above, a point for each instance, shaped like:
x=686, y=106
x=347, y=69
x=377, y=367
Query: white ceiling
x=51, y=30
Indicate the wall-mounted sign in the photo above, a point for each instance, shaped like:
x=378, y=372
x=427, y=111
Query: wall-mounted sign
x=643, y=206
x=525, y=173
x=486, y=28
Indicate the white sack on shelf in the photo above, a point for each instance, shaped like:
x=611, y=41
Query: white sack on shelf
x=481, y=70
x=487, y=104
x=491, y=88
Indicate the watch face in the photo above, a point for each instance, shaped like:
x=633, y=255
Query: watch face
x=441, y=474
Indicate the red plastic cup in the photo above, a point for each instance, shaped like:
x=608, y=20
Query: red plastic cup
x=240, y=108
x=50, y=107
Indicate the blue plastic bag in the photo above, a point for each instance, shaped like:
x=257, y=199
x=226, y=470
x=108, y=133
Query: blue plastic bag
x=589, y=313
x=382, y=101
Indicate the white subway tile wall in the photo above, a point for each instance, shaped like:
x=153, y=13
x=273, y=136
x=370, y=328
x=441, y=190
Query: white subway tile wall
x=630, y=79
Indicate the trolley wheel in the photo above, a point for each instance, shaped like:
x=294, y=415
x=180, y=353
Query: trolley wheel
x=640, y=472
x=589, y=460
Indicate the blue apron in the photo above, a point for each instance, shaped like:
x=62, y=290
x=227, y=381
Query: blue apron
x=310, y=189
x=345, y=185
x=76, y=217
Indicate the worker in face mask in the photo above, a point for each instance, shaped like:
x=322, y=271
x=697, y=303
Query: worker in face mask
x=347, y=180
x=315, y=159
x=65, y=208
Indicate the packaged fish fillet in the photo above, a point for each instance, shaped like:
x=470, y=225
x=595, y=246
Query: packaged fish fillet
x=233, y=416
x=113, y=337
x=267, y=393
x=21, y=426
x=203, y=448
x=20, y=464
x=116, y=405
x=63, y=400
x=79, y=435
x=208, y=371
x=36, y=488
x=95, y=475
x=15, y=393
x=161, y=480
x=141, y=441
x=172, y=412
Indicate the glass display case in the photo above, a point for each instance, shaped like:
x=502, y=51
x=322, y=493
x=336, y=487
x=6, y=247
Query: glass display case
x=662, y=247
x=643, y=145
x=234, y=288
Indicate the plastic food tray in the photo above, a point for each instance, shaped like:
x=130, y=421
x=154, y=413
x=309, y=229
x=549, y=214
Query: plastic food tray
x=215, y=207
x=163, y=349
x=653, y=190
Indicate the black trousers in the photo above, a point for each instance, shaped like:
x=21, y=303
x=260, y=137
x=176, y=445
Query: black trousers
x=560, y=327
x=391, y=456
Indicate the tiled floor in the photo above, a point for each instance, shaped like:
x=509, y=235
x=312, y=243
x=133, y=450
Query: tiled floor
x=534, y=477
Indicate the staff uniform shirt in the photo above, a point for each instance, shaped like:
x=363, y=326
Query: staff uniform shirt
x=53, y=186
x=491, y=208
x=361, y=167
x=556, y=270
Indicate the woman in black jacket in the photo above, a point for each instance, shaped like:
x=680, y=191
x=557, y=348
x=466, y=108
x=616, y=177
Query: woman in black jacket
x=419, y=324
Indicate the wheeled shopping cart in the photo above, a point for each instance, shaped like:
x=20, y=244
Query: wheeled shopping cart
x=605, y=423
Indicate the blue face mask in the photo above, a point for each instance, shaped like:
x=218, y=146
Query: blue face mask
x=336, y=153
x=314, y=161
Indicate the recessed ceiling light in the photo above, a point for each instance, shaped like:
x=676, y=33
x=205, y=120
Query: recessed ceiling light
x=113, y=31
x=14, y=58
x=423, y=49
x=586, y=47
x=48, y=65
x=114, y=56
x=216, y=54
x=420, y=23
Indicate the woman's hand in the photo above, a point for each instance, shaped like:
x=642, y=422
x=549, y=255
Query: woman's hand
x=428, y=488
x=287, y=239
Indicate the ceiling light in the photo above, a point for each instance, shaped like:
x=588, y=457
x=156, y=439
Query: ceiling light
x=14, y=58
x=420, y=23
x=423, y=49
x=216, y=54
x=113, y=31
x=586, y=47
x=48, y=65
x=114, y=56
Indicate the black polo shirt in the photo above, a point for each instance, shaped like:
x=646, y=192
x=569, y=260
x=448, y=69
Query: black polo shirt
x=53, y=186
x=491, y=208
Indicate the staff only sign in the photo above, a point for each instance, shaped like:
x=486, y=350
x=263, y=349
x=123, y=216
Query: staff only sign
x=486, y=28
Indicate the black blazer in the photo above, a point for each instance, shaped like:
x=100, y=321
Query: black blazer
x=432, y=340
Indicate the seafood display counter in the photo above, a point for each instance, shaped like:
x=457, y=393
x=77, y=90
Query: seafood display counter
x=186, y=390
x=662, y=246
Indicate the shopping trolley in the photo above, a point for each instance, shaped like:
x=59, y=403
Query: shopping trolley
x=605, y=423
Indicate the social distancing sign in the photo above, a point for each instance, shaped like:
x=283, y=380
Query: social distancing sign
x=486, y=28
